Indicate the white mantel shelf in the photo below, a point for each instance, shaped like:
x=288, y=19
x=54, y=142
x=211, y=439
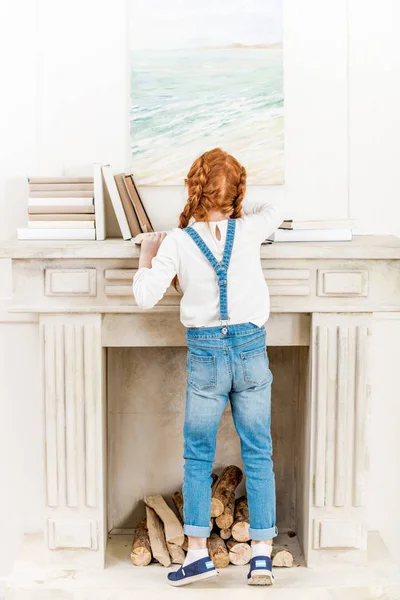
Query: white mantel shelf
x=323, y=296
x=362, y=247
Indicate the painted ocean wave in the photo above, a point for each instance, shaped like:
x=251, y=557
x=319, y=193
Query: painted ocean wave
x=186, y=102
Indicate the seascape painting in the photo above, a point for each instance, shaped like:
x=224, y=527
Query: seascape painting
x=203, y=75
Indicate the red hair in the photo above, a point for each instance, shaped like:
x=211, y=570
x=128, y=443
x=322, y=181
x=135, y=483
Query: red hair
x=216, y=182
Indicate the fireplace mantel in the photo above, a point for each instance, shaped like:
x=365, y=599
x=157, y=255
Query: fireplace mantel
x=323, y=295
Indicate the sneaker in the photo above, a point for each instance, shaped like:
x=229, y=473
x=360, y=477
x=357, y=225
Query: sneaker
x=197, y=570
x=260, y=572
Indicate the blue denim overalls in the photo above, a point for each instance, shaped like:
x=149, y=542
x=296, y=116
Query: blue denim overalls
x=224, y=363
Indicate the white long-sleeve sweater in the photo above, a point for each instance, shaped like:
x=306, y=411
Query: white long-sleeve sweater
x=248, y=297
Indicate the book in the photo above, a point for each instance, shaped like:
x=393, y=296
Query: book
x=60, y=187
x=138, y=239
x=134, y=225
x=143, y=219
x=60, y=217
x=64, y=194
x=37, y=210
x=318, y=224
x=61, y=224
x=60, y=201
x=312, y=235
x=56, y=234
x=60, y=179
x=116, y=202
x=99, y=203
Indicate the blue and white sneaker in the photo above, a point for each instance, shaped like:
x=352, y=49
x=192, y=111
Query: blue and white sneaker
x=195, y=571
x=260, y=572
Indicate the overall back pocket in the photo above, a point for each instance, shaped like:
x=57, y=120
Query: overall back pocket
x=202, y=371
x=256, y=366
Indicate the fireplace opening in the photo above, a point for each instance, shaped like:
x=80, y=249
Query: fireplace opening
x=146, y=400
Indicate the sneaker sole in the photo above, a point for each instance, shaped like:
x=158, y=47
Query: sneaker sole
x=261, y=577
x=194, y=578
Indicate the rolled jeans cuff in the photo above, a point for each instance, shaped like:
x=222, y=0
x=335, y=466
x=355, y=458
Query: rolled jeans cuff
x=195, y=531
x=263, y=534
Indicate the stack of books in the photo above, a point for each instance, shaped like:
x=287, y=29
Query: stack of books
x=73, y=208
x=60, y=208
x=330, y=230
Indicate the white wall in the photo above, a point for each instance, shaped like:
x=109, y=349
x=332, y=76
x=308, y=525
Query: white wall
x=64, y=105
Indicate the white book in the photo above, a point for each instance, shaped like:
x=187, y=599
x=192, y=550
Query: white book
x=116, y=202
x=61, y=224
x=99, y=206
x=312, y=235
x=60, y=201
x=296, y=224
x=56, y=234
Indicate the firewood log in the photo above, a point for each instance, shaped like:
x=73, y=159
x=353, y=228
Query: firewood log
x=217, y=551
x=177, y=499
x=281, y=557
x=225, y=534
x=173, y=528
x=141, y=549
x=176, y=552
x=222, y=489
x=239, y=552
x=157, y=537
x=225, y=520
x=241, y=525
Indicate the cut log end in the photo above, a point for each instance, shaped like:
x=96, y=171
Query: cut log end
x=141, y=557
x=240, y=531
x=239, y=553
x=226, y=533
x=223, y=488
x=141, y=549
x=217, y=508
x=217, y=550
x=281, y=557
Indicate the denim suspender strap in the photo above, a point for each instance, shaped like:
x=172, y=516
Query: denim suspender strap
x=221, y=268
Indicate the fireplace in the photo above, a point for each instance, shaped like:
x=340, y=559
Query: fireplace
x=113, y=385
x=146, y=400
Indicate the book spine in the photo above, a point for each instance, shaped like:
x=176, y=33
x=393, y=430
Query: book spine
x=127, y=204
x=56, y=234
x=60, y=201
x=61, y=224
x=60, y=217
x=60, y=187
x=99, y=203
x=64, y=194
x=116, y=202
x=312, y=235
x=37, y=210
x=37, y=180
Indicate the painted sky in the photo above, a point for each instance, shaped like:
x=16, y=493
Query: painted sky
x=169, y=24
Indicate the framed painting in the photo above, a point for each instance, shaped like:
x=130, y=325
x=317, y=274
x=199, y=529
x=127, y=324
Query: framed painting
x=204, y=75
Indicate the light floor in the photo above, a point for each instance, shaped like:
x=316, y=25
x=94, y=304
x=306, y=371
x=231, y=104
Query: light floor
x=33, y=579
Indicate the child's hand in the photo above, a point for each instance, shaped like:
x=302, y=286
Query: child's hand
x=149, y=248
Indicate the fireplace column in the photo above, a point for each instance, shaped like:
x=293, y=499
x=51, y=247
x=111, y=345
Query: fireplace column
x=73, y=386
x=339, y=405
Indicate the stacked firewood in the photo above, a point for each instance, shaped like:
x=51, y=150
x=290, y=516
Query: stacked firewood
x=160, y=535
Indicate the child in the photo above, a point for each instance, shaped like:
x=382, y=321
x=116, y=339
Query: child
x=224, y=306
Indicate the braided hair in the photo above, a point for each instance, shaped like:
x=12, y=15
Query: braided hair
x=216, y=182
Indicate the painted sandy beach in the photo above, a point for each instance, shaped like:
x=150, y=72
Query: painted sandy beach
x=204, y=76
